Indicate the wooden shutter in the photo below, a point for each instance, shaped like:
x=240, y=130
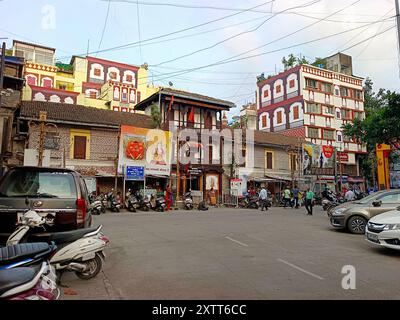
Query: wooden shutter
x=79, y=147
x=279, y=117
x=269, y=160
x=295, y=113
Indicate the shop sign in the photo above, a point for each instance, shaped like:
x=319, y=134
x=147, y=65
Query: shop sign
x=195, y=171
x=318, y=159
x=343, y=156
x=134, y=173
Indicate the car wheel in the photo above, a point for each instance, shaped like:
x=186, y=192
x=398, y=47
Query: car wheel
x=356, y=224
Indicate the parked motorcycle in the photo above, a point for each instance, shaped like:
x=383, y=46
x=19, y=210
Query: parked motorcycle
x=188, y=200
x=157, y=204
x=250, y=202
x=96, y=205
x=144, y=202
x=80, y=251
x=112, y=203
x=131, y=202
x=29, y=283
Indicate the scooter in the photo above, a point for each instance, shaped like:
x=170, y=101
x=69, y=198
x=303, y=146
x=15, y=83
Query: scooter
x=112, y=203
x=188, y=200
x=80, y=251
x=96, y=205
x=144, y=202
x=157, y=204
x=29, y=283
x=131, y=202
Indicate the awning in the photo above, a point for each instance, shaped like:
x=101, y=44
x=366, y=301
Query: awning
x=279, y=178
x=261, y=179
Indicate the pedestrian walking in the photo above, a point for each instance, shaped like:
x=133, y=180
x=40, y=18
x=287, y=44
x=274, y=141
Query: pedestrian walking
x=263, y=196
x=296, y=192
x=286, y=198
x=309, y=201
x=168, y=198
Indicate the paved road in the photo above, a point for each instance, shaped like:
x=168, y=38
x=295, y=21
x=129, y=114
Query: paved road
x=235, y=254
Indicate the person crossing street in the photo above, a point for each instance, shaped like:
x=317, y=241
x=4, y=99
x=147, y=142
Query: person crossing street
x=263, y=196
x=309, y=201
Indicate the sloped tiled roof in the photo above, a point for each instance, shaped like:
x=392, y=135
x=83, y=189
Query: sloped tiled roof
x=295, y=132
x=60, y=112
x=276, y=138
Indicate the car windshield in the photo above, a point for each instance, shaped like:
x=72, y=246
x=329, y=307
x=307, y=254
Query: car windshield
x=370, y=197
x=23, y=183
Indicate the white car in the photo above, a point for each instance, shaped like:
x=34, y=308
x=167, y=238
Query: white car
x=384, y=229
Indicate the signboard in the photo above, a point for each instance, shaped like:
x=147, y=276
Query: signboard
x=134, y=173
x=42, y=115
x=318, y=159
x=52, y=141
x=342, y=157
x=195, y=171
x=236, y=187
x=148, y=148
x=31, y=157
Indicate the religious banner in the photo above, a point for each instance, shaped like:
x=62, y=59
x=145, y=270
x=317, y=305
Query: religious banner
x=318, y=159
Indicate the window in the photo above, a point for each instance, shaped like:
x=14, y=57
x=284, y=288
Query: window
x=79, y=147
x=391, y=198
x=279, y=117
x=329, y=134
x=31, y=80
x=264, y=121
x=266, y=94
x=278, y=88
x=339, y=136
x=46, y=82
x=337, y=92
x=269, y=160
x=129, y=78
x=113, y=75
x=293, y=162
x=310, y=83
x=138, y=97
x=313, y=108
x=358, y=115
x=347, y=138
x=344, y=92
x=346, y=114
x=338, y=114
x=97, y=72
x=291, y=83
x=313, y=132
x=329, y=110
x=327, y=87
x=93, y=94
x=58, y=184
x=357, y=94
x=62, y=87
x=295, y=112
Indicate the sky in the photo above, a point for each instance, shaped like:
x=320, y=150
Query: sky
x=218, y=30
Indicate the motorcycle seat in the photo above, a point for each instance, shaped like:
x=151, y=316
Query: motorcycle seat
x=11, y=278
x=21, y=251
x=62, y=237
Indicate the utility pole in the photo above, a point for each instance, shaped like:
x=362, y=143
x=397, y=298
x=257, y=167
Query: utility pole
x=398, y=29
x=3, y=58
x=42, y=119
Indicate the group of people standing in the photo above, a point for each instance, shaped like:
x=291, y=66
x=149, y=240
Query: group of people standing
x=290, y=197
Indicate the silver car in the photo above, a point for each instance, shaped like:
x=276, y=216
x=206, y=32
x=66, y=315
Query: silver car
x=354, y=215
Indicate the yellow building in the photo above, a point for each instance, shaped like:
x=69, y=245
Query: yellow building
x=87, y=81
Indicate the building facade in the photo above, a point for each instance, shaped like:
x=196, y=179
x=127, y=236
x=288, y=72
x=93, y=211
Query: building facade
x=314, y=103
x=85, y=81
x=187, y=110
x=80, y=138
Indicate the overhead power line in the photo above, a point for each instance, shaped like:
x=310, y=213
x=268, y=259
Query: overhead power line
x=179, y=31
x=173, y=74
x=308, y=4
x=104, y=26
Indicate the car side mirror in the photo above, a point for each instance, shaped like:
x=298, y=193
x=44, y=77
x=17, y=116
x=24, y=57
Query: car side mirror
x=377, y=203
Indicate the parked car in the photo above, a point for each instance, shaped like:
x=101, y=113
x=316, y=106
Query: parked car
x=354, y=215
x=46, y=190
x=384, y=230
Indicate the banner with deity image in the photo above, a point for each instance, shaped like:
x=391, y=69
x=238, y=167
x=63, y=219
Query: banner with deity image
x=318, y=159
x=147, y=148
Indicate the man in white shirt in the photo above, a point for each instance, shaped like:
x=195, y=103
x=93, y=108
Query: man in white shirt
x=263, y=198
x=349, y=196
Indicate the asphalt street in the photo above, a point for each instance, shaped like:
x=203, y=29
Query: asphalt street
x=235, y=254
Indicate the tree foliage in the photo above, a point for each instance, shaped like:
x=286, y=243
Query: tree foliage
x=155, y=116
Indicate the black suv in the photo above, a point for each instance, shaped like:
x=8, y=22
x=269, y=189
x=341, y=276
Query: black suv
x=59, y=191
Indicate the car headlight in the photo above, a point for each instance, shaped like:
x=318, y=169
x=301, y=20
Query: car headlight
x=339, y=211
x=391, y=227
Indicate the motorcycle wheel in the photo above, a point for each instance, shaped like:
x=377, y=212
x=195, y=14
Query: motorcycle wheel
x=103, y=210
x=131, y=209
x=146, y=208
x=94, y=267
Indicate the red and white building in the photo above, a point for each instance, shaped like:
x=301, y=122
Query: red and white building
x=314, y=103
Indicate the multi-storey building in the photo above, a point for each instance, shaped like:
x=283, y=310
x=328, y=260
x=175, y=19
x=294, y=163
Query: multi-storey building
x=85, y=81
x=314, y=103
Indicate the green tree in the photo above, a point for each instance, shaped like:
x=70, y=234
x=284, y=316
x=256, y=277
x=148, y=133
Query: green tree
x=319, y=62
x=155, y=116
x=290, y=62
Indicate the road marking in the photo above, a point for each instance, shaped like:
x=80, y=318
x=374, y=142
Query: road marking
x=241, y=243
x=300, y=269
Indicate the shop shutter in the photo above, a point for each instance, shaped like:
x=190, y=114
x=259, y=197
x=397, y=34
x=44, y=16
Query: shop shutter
x=79, y=147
